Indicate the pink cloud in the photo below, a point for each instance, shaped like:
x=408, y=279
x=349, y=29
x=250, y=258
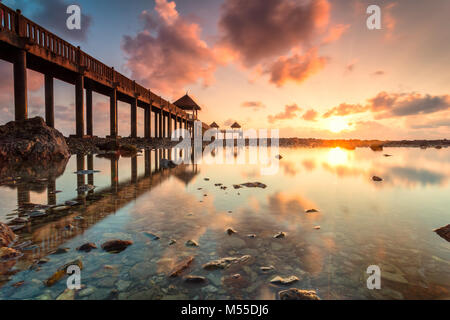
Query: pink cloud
x=335, y=33
x=168, y=54
x=310, y=115
x=296, y=68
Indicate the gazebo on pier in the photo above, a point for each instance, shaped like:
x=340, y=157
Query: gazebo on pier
x=189, y=105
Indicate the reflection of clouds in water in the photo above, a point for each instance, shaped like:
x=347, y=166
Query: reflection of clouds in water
x=412, y=176
x=309, y=164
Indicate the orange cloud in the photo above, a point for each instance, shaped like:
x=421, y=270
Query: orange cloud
x=310, y=115
x=290, y=112
x=335, y=33
x=296, y=68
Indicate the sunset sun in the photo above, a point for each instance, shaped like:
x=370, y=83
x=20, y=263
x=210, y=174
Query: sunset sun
x=337, y=125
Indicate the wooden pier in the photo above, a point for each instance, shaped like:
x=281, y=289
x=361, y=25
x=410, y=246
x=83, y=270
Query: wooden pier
x=28, y=45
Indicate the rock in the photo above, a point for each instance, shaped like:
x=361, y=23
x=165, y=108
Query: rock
x=235, y=281
x=85, y=188
x=311, y=211
x=268, y=269
x=61, y=272
x=9, y=254
x=172, y=242
x=376, y=147
x=237, y=186
x=61, y=251
x=181, y=266
x=376, y=178
x=7, y=236
x=18, y=284
x=31, y=140
x=316, y=227
x=444, y=232
x=71, y=203
x=86, y=292
x=87, y=247
x=116, y=245
x=191, y=243
x=279, y=157
x=230, y=231
x=127, y=150
x=284, y=281
x=69, y=227
x=297, y=294
x=150, y=235
x=387, y=155
x=67, y=294
x=166, y=164
x=194, y=279
x=251, y=236
x=280, y=235
x=254, y=185
x=206, y=179
x=59, y=209
x=19, y=220
x=38, y=214
x=225, y=263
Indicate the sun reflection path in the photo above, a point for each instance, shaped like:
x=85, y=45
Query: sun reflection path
x=337, y=156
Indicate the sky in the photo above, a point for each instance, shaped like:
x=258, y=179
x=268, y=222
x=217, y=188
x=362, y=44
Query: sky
x=310, y=68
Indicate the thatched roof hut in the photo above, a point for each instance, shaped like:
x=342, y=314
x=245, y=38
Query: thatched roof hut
x=235, y=126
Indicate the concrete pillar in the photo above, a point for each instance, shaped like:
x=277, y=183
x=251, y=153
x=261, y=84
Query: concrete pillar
x=23, y=195
x=134, y=118
x=147, y=122
x=114, y=174
x=147, y=160
x=20, y=86
x=90, y=166
x=89, y=115
x=164, y=126
x=113, y=129
x=156, y=123
x=80, y=177
x=51, y=188
x=170, y=125
x=134, y=169
x=160, y=128
x=49, y=101
x=79, y=105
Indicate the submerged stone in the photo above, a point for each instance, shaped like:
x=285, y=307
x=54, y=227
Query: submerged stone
x=191, y=243
x=230, y=231
x=312, y=211
x=181, y=266
x=7, y=236
x=444, y=232
x=87, y=247
x=376, y=178
x=61, y=272
x=297, y=294
x=116, y=246
x=150, y=235
x=280, y=235
x=194, y=279
x=284, y=281
x=225, y=263
x=254, y=185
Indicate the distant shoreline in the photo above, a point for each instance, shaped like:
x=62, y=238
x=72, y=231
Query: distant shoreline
x=90, y=145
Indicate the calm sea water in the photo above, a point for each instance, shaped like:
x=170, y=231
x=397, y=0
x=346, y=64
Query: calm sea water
x=362, y=223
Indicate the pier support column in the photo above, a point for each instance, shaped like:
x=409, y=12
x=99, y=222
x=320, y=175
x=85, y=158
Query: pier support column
x=147, y=122
x=20, y=86
x=51, y=188
x=80, y=177
x=89, y=115
x=79, y=106
x=160, y=128
x=134, y=118
x=147, y=162
x=49, y=101
x=170, y=125
x=113, y=129
x=164, y=126
x=155, y=123
x=114, y=174
x=90, y=166
x=134, y=169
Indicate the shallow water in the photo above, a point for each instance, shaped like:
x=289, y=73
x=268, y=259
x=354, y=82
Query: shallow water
x=362, y=223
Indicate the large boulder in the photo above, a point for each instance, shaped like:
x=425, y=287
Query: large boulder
x=31, y=140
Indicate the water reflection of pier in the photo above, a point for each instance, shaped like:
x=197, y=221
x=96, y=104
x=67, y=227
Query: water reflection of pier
x=97, y=204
